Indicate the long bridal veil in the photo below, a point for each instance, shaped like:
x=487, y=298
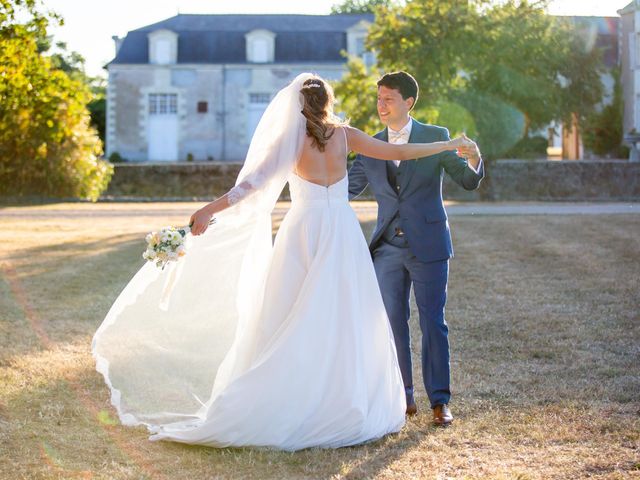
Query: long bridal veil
x=174, y=338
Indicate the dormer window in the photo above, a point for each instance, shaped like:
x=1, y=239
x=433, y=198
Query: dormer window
x=260, y=46
x=163, y=47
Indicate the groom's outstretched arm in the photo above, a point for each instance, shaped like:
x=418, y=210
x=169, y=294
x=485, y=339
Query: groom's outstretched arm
x=358, y=180
x=462, y=172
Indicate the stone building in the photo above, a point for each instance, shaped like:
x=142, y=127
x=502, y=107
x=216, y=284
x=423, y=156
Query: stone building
x=195, y=86
x=630, y=64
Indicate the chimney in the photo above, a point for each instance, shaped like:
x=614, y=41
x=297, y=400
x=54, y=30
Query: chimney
x=118, y=42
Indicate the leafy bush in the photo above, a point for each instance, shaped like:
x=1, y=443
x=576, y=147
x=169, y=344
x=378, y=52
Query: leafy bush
x=529, y=148
x=115, y=157
x=500, y=126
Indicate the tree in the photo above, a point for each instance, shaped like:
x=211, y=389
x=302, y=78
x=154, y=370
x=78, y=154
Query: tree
x=602, y=133
x=73, y=64
x=359, y=6
x=356, y=95
x=508, y=58
x=536, y=63
x=580, y=69
x=98, y=109
x=430, y=39
x=47, y=146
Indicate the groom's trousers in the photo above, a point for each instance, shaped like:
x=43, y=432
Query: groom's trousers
x=397, y=269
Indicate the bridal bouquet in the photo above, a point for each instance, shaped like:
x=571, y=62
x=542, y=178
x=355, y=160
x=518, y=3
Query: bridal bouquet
x=167, y=245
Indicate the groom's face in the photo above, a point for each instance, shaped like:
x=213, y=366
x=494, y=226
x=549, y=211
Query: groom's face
x=393, y=110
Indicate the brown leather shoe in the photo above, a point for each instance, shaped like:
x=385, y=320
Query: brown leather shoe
x=412, y=408
x=442, y=415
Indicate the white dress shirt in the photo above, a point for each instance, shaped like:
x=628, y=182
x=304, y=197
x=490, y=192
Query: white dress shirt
x=400, y=137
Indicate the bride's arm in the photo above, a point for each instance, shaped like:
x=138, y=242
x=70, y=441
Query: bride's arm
x=362, y=143
x=200, y=219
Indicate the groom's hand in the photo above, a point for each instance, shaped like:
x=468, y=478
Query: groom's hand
x=471, y=153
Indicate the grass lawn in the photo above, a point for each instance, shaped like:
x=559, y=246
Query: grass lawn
x=544, y=322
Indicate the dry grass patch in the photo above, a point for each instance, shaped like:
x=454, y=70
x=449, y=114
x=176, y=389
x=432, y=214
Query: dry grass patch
x=544, y=332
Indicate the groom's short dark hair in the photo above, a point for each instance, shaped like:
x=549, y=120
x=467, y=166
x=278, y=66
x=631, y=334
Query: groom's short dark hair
x=403, y=82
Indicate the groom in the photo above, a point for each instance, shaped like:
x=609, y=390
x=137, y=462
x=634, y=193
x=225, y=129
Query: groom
x=411, y=243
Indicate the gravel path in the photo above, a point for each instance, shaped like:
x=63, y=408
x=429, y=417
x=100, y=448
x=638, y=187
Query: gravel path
x=163, y=209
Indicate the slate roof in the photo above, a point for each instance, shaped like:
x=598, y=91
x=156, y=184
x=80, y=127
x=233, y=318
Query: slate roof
x=220, y=38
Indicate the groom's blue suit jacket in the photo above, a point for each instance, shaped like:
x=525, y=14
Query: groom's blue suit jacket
x=419, y=200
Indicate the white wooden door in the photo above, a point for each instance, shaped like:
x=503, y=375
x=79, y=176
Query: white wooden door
x=257, y=105
x=162, y=133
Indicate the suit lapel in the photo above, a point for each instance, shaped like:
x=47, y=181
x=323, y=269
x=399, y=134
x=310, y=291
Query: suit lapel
x=408, y=167
x=381, y=166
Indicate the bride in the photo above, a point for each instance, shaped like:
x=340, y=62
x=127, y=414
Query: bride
x=248, y=343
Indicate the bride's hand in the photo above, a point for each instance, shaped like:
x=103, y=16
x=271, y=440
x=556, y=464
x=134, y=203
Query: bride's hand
x=199, y=222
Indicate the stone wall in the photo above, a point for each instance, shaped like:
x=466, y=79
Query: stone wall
x=543, y=180
x=506, y=180
x=197, y=180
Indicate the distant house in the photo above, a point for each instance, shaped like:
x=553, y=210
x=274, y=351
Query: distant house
x=630, y=65
x=196, y=85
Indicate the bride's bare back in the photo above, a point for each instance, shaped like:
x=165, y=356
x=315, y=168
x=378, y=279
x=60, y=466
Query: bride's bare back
x=324, y=168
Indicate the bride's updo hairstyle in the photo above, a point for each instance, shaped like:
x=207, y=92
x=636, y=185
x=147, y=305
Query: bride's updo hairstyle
x=318, y=110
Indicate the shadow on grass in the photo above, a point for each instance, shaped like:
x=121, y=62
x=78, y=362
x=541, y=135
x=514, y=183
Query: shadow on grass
x=61, y=253
x=52, y=413
x=68, y=292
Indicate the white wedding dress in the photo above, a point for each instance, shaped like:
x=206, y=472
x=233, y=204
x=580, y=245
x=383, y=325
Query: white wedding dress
x=309, y=362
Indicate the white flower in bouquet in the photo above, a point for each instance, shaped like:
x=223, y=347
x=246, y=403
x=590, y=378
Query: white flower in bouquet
x=149, y=254
x=167, y=245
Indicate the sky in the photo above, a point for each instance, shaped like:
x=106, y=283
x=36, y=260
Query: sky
x=90, y=24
